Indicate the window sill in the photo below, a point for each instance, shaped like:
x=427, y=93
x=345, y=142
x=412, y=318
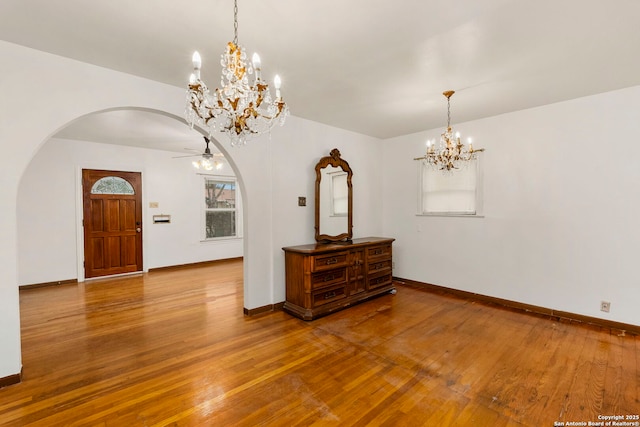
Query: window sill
x=221, y=239
x=455, y=215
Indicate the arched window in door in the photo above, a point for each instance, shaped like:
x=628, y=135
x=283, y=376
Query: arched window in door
x=112, y=185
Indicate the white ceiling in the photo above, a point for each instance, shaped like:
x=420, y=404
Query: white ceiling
x=377, y=67
x=136, y=128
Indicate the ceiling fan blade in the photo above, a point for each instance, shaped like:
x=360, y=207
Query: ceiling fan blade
x=190, y=155
x=207, y=152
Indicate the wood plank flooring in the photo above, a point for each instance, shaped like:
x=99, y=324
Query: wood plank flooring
x=173, y=348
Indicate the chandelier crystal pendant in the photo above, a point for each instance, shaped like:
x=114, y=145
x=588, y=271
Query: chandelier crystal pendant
x=449, y=153
x=243, y=106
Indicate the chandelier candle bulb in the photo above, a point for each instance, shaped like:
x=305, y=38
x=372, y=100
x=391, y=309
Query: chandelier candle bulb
x=197, y=63
x=277, y=84
x=256, y=64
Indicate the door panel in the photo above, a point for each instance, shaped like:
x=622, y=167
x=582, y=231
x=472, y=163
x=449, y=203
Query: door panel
x=113, y=251
x=97, y=253
x=129, y=250
x=112, y=222
x=113, y=216
x=128, y=215
x=97, y=221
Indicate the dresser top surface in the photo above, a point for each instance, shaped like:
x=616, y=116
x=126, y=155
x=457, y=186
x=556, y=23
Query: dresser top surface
x=315, y=248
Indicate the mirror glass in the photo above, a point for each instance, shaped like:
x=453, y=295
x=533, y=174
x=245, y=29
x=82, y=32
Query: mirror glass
x=333, y=199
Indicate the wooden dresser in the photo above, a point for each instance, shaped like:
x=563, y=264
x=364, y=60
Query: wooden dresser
x=324, y=277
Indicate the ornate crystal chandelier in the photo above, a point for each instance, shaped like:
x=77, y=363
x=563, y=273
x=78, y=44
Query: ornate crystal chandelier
x=240, y=108
x=449, y=153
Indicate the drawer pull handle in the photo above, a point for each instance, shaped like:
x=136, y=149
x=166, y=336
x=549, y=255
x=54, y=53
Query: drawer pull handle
x=328, y=295
x=329, y=277
x=332, y=261
x=378, y=252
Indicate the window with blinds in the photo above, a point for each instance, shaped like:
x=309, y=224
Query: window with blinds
x=455, y=192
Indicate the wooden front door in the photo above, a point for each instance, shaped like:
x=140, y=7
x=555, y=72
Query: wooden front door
x=112, y=222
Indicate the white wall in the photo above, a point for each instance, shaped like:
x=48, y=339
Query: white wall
x=50, y=208
x=41, y=93
x=561, y=209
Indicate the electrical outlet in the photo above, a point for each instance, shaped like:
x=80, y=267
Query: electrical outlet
x=605, y=306
x=302, y=201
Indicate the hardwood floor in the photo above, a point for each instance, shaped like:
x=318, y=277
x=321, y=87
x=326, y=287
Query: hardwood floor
x=173, y=348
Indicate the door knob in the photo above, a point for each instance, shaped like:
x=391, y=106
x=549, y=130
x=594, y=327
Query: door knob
x=138, y=229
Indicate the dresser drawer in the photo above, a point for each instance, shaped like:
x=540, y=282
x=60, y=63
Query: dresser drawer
x=379, y=251
x=378, y=280
x=327, y=278
x=328, y=295
x=379, y=266
x=329, y=261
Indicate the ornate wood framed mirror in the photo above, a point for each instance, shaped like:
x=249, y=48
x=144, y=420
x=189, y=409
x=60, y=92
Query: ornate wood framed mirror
x=334, y=199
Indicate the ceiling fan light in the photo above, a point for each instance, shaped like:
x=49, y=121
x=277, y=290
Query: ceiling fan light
x=206, y=164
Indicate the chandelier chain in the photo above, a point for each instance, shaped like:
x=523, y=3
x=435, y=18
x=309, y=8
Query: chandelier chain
x=448, y=112
x=235, y=22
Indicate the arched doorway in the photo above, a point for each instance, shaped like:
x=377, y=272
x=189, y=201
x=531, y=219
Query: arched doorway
x=147, y=141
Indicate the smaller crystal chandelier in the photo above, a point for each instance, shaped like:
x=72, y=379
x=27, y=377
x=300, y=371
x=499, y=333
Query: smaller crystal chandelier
x=449, y=153
x=240, y=108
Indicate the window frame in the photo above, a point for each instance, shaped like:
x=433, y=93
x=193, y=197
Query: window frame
x=204, y=208
x=478, y=192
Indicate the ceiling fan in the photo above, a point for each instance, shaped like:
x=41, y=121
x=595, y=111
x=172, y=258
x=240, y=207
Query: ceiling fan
x=206, y=161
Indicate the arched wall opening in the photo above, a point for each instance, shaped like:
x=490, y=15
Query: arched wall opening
x=49, y=244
